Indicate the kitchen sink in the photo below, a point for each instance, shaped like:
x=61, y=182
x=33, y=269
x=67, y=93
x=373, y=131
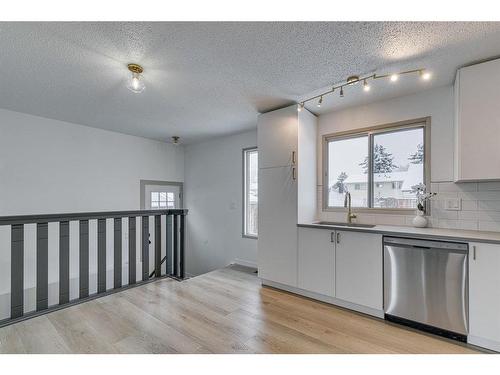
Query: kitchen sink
x=354, y=225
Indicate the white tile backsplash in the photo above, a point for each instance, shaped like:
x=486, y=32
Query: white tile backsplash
x=480, y=208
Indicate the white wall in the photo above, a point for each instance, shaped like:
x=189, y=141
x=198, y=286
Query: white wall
x=480, y=201
x=49, y=166
x=213, y=194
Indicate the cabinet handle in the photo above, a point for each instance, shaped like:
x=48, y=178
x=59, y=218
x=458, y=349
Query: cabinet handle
x=294, y=174
x=338, y=237
x=474, y=252
x=331, y=237
x=293, y=157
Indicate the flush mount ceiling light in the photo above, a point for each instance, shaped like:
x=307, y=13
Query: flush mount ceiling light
x=136, y=82
x=354, y=79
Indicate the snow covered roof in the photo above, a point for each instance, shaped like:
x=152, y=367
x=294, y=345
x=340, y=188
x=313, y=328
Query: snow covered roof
x=409, y=178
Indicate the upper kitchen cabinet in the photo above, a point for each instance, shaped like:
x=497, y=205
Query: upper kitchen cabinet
x=288, y=138
x=477, y=122
x=277, y=138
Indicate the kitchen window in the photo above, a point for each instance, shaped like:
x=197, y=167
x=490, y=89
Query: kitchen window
x=389, y=160
x=250, y=192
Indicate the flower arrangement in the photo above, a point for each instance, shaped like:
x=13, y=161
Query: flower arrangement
x=422, y=196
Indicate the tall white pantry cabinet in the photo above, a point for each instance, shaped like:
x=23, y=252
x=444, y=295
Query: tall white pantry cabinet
x=287, y=142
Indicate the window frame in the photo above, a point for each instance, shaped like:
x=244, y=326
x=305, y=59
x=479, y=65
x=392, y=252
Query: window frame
x=245, y=152
x=424, y=123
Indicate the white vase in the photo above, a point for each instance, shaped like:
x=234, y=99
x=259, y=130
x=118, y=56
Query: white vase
x=420, y=221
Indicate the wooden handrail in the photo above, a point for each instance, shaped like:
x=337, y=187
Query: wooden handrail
x=46, y=218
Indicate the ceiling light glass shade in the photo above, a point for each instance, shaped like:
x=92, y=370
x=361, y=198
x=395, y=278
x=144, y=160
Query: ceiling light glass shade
x=136, y=83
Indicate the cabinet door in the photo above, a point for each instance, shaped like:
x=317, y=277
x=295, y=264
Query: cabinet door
x=277, y=133
x=484, y=296
x=478, y=122
x=317, y=261
x=277, y=243
x=358, y=268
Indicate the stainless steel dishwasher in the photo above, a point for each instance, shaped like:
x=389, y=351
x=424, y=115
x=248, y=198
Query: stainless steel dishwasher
x=425, y=285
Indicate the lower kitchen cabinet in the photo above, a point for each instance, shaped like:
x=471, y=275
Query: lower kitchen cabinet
x=316, y=261
x=484, y=295
x=359, y=268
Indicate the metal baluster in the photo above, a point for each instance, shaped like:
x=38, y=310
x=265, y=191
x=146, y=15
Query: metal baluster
x=132, y=260
x=84, y=258
x=117, y=260
x=17, y=271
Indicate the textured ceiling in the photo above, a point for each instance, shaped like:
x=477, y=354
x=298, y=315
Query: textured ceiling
x=208, y=79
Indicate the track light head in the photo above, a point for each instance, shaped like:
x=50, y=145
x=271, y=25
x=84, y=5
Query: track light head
x=300, y=106
x=425, y=75
x=341, y=92
x=366, y=86
x=320, y=101
x=394, y=77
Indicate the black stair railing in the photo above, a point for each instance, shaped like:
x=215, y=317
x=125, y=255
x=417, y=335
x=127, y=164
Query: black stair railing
x=48, y=262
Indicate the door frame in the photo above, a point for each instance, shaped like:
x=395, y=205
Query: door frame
x=143, y=184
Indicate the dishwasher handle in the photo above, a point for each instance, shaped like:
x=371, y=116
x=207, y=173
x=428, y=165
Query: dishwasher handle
x=426, y=244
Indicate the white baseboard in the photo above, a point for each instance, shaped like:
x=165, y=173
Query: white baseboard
x=246, y=263
x=320, y=297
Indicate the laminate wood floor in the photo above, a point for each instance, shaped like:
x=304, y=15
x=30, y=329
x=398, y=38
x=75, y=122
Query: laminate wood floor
x=224, y=311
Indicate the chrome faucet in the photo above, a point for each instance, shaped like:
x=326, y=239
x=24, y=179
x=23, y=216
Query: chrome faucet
x=347, y=204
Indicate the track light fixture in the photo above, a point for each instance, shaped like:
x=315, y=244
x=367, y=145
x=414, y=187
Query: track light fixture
x=354, y=79
x=175, y=140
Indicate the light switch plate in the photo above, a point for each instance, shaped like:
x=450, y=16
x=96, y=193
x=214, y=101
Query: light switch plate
x=453, y=204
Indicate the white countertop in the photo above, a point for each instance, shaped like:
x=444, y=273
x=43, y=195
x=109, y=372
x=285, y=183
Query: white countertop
x=433, y=233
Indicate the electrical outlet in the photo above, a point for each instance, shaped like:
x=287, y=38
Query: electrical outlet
x=453, y=204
